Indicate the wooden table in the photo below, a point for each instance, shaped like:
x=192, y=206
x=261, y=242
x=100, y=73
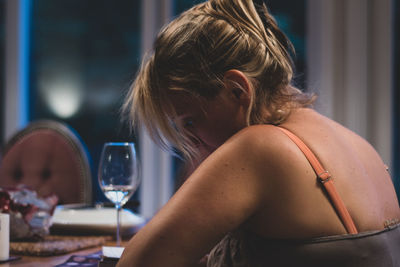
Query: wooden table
x=32, y=261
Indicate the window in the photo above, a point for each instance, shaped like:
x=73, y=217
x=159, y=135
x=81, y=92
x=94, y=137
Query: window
x=84, y=55
x=291, y=18
x=182, y=5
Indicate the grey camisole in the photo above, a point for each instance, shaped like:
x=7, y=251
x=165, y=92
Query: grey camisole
x=367, y=249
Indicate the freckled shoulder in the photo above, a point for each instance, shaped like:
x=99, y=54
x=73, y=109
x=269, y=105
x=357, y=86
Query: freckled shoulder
x=266, y=139
x=263, y=145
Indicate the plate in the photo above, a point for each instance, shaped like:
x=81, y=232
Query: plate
x=88, y=220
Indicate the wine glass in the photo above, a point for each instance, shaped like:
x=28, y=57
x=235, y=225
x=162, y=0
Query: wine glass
x=118, y=175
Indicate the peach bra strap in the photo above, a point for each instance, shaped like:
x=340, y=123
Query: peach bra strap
x=325, y=178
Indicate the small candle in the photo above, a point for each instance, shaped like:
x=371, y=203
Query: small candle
x=4, y=236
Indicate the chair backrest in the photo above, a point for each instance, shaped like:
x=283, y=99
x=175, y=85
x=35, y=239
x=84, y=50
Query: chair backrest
x=49, y=157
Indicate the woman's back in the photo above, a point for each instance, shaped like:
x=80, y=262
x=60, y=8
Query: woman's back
x=298, y=225
x=298, y=204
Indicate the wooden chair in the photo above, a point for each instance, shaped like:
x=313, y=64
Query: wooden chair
x=49, y=157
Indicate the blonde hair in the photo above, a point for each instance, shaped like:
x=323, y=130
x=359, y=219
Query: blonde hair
x=193, y=52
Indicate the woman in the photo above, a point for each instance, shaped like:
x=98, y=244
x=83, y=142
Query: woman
x=218, y=88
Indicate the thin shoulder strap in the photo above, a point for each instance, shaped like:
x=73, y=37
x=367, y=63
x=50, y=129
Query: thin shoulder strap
x=325, y=178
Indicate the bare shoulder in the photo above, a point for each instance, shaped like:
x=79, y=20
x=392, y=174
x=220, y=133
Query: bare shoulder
x=256, y=139
x=243, y=153
x=260, y=144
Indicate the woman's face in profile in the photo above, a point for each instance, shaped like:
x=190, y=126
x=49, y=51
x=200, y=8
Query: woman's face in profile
x=213, y=121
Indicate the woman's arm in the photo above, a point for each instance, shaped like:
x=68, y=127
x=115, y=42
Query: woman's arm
x=218, y=197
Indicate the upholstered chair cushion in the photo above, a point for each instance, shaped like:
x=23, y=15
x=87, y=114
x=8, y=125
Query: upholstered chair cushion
x=49, y=157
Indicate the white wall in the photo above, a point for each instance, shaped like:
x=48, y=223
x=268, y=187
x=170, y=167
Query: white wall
x=16, y=66
x=156, y=165
x=350, y=66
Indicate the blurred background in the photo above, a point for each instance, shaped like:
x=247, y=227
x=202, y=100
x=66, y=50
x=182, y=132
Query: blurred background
x=73, y=61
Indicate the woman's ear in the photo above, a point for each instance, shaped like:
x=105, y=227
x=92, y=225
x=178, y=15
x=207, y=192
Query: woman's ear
x=238, y=84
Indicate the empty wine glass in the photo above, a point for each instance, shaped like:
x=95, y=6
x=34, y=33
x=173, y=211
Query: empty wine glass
x=118, y=175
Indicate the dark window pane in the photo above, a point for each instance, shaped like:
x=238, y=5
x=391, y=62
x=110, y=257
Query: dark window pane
x=291, y=18
x=182, y=5
x=84, y=55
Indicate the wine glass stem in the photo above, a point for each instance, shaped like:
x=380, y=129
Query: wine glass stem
x=118, y=237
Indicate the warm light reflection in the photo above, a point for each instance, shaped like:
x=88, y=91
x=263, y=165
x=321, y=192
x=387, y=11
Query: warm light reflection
x=64, y=99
